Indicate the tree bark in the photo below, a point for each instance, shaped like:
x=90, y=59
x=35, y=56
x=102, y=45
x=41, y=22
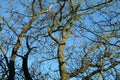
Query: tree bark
x=62, y=63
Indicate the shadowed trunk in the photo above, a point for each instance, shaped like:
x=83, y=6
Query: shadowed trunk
x=11, y=66
x=25, y=68
x=11, y=70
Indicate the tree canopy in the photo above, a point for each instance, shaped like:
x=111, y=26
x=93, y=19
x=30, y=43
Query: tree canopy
x=60, y=40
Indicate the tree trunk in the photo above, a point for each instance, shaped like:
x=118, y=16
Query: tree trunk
x=11, y=70
x=62, y=63
x=11, y=66
x=25, y=69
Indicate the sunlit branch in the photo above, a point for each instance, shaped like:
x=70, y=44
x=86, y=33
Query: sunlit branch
x=33, y=3
x=102, y=69
x=19, y=41
x=98, y=6
x=81, y=70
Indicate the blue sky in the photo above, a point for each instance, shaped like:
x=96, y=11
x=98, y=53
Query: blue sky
x=74, y=42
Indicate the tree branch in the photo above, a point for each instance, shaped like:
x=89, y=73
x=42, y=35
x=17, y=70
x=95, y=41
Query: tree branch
x=103, y=69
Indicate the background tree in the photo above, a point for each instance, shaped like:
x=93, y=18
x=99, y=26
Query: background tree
x=66, y=40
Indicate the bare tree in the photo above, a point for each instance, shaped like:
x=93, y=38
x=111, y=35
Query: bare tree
x=60, y=40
